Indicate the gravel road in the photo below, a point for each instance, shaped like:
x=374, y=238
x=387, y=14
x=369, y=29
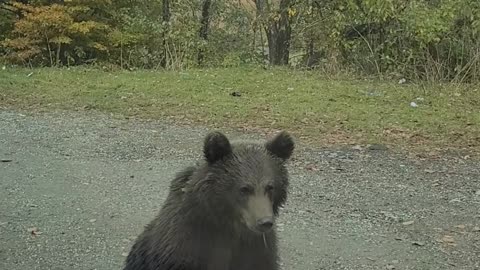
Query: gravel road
x=76, y=188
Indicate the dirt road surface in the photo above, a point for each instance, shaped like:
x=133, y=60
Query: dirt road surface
x=77, y=188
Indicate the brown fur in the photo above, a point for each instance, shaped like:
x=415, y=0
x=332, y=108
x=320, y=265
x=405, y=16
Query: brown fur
x=217, y=215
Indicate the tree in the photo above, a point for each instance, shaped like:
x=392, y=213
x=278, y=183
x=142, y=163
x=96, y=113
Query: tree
x=277, y=26
x=166, y=15
x=203, y=33
x=45, y=31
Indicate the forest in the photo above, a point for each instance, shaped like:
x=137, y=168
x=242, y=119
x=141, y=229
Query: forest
x=428, y=40
x=102, y=103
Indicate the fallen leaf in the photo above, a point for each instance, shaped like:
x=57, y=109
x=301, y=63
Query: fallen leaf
x=408, y=222
x=449, y=240
x=34, y=231
x=461, y=227
x=92, y=220
x=311, y=167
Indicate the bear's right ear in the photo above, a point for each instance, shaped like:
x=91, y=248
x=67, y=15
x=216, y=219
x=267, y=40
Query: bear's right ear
x=216, y=146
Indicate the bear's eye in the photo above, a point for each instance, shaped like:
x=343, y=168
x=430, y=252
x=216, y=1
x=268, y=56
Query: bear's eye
x=246, y=190
x=269, y=188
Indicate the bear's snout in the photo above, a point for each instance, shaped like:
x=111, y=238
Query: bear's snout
x=264, y=224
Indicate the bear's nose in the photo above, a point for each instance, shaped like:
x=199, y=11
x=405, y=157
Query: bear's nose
x=265, y=224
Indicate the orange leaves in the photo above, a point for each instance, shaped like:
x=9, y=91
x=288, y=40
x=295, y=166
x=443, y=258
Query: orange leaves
x=38, y=29
x=86, y=27
x=83, y=27
x=61, y=39
x=43, y=30
x=20, y=43
x=43, y=16
x=23, y=7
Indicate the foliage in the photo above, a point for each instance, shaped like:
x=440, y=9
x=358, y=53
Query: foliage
x=6, y=25
x=55, y=32
x=226, y=47
x=417, y=39
x=413, y=39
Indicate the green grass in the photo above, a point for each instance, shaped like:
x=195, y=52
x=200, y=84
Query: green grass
x=315, y=108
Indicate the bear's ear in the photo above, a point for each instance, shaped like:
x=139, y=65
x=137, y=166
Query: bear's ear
x=281, y=145
x=216, y=146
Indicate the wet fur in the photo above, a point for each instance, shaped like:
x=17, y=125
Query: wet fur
x=199, y=227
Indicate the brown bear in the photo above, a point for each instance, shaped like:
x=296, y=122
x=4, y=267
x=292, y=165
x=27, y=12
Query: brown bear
x=220, y=214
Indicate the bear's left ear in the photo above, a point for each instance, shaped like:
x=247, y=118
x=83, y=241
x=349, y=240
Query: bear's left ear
x=281, y=145
x=216, y=146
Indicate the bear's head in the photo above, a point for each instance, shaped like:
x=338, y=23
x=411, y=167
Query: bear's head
x=247, y=181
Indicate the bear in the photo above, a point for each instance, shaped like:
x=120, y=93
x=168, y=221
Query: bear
x=220, y=213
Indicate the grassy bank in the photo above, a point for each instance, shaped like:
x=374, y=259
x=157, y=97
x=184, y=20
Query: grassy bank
x=313, y=107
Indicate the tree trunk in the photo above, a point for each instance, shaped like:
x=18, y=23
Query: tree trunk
x=279, y=32
x=57, y=61
x=310, y=54
x=166, y=24
x=204, y=28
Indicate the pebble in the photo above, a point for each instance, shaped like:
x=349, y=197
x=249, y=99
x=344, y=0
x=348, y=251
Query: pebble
x=418, y=243
x=357, y=147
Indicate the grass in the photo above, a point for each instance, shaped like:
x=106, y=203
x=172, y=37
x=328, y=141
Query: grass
x=314, y=108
